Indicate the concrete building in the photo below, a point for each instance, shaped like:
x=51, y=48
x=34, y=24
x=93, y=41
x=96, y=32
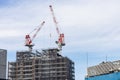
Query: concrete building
x=104, y=71
x=45, y=65
x=3, y=63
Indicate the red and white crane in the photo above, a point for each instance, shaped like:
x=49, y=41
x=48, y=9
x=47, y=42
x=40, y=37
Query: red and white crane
x=60, y=42
x=29, y=40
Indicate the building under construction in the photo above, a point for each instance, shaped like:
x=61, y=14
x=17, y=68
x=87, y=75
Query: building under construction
x=104, y=71
x=47, y=64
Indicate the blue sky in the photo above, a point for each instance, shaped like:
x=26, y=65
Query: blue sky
x=90, y=26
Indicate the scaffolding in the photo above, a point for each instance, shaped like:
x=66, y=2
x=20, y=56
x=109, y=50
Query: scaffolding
x=45, y=65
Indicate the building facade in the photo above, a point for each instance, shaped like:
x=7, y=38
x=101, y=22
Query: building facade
x=110, y=76
x=45, y=65
x=3, y=63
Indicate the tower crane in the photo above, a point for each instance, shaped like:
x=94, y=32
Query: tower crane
x=60, y=42
x=29, y=40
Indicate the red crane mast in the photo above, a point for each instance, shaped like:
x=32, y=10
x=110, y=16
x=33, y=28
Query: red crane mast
x=60, y=42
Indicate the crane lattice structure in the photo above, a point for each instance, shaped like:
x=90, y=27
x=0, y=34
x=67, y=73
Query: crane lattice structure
x=29, y=40
x=60, y=42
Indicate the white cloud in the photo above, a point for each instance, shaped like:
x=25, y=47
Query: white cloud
x=89, y=25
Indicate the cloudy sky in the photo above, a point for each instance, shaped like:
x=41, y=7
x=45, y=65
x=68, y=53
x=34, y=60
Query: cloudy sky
x=91, y=27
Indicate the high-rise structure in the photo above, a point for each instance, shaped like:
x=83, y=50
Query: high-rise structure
x=3, y=63
x=45, y=65
x=104, y=71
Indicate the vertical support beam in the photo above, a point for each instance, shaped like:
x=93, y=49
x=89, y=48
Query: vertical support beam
x=22, y=70
x=8, y=71
x=33, y=67
x=16, y=71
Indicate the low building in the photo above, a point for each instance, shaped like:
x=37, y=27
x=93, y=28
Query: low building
x=104, y=71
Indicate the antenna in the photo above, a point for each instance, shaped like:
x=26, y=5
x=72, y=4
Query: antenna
x=87, y=62
x=106, y=58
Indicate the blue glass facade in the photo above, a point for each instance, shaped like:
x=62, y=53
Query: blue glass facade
x=110, y=76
